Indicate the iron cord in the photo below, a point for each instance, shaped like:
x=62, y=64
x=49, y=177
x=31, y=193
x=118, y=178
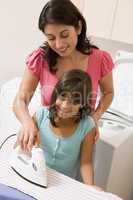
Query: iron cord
x=6, y=140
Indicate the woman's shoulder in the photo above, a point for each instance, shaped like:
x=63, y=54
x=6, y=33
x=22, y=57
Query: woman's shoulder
x=35, y=61
x=103, y=60
x=101, y=54
x=35, y=54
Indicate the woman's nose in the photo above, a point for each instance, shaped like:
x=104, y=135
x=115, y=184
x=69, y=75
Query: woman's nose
x=59, y=44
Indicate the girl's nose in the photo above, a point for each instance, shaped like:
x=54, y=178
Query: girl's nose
x=65, y=104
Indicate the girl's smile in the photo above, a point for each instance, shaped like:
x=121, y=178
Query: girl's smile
x=66, y=108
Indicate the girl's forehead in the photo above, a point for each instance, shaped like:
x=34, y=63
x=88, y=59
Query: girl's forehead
x=70, y=93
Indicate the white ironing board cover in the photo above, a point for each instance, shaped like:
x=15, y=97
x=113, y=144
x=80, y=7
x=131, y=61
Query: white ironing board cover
x=59, y=186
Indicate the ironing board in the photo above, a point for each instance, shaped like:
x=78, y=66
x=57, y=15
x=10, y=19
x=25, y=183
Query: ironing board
x=59, y=186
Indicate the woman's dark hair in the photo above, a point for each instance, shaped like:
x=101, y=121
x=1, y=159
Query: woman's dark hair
x=63, y=12
x=78, y=85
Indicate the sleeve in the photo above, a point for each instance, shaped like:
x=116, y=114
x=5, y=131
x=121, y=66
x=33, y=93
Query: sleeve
x=41, y=115
x=87, y=126
x=35, y=62
x=106, y=63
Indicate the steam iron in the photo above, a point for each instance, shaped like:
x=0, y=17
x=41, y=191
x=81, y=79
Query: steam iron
x=30, y=166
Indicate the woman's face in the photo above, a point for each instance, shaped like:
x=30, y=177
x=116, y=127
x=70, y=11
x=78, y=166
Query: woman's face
x=68, y=105
x=62, y=38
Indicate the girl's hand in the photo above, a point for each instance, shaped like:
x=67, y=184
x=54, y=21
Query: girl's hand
x=28, y=136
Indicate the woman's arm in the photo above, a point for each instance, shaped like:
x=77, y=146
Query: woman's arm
x=107, y=89
x=86, y=167
x=29, y=130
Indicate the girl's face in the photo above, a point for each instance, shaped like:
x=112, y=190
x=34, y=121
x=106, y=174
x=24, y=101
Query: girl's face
x=62, y=38
x=67, y=105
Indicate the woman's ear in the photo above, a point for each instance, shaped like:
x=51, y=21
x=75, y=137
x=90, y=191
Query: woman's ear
x=79, y=27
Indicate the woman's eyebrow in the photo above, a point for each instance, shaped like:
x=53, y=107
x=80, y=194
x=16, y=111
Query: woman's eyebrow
x=50, y=34
x=64, y=31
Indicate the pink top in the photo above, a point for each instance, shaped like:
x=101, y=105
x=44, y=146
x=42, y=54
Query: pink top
x=99, y=65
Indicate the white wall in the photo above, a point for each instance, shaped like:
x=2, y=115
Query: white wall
x=123, y=25
x=100, y=16
x=19, y=34
x=79, y=4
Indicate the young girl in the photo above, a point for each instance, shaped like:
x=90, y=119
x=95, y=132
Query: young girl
x=66, y=130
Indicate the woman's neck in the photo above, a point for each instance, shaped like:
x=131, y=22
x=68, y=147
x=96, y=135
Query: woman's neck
x=76, y=60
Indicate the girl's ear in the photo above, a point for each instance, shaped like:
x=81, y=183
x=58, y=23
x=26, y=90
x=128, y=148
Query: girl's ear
x=79, y=27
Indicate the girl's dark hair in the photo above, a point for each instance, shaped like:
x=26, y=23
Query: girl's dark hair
x=78, y=84
x=63, y=12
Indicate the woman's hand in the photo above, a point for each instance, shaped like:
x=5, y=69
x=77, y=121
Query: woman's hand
x=28, y=136
x=97, y=134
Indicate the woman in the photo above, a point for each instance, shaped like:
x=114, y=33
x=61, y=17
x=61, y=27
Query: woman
x=66, y=48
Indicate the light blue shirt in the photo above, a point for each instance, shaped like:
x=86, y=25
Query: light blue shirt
x=61, y=153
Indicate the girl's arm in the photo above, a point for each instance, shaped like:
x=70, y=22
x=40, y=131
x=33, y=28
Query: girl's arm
x=29, y=132
x=86, y=167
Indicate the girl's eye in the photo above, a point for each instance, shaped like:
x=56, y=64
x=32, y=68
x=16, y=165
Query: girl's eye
x=63, y=96
x=76, y=99
x=73, y=99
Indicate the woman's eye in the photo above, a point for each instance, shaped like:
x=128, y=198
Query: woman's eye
x=64, y=35
x=50, y=39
